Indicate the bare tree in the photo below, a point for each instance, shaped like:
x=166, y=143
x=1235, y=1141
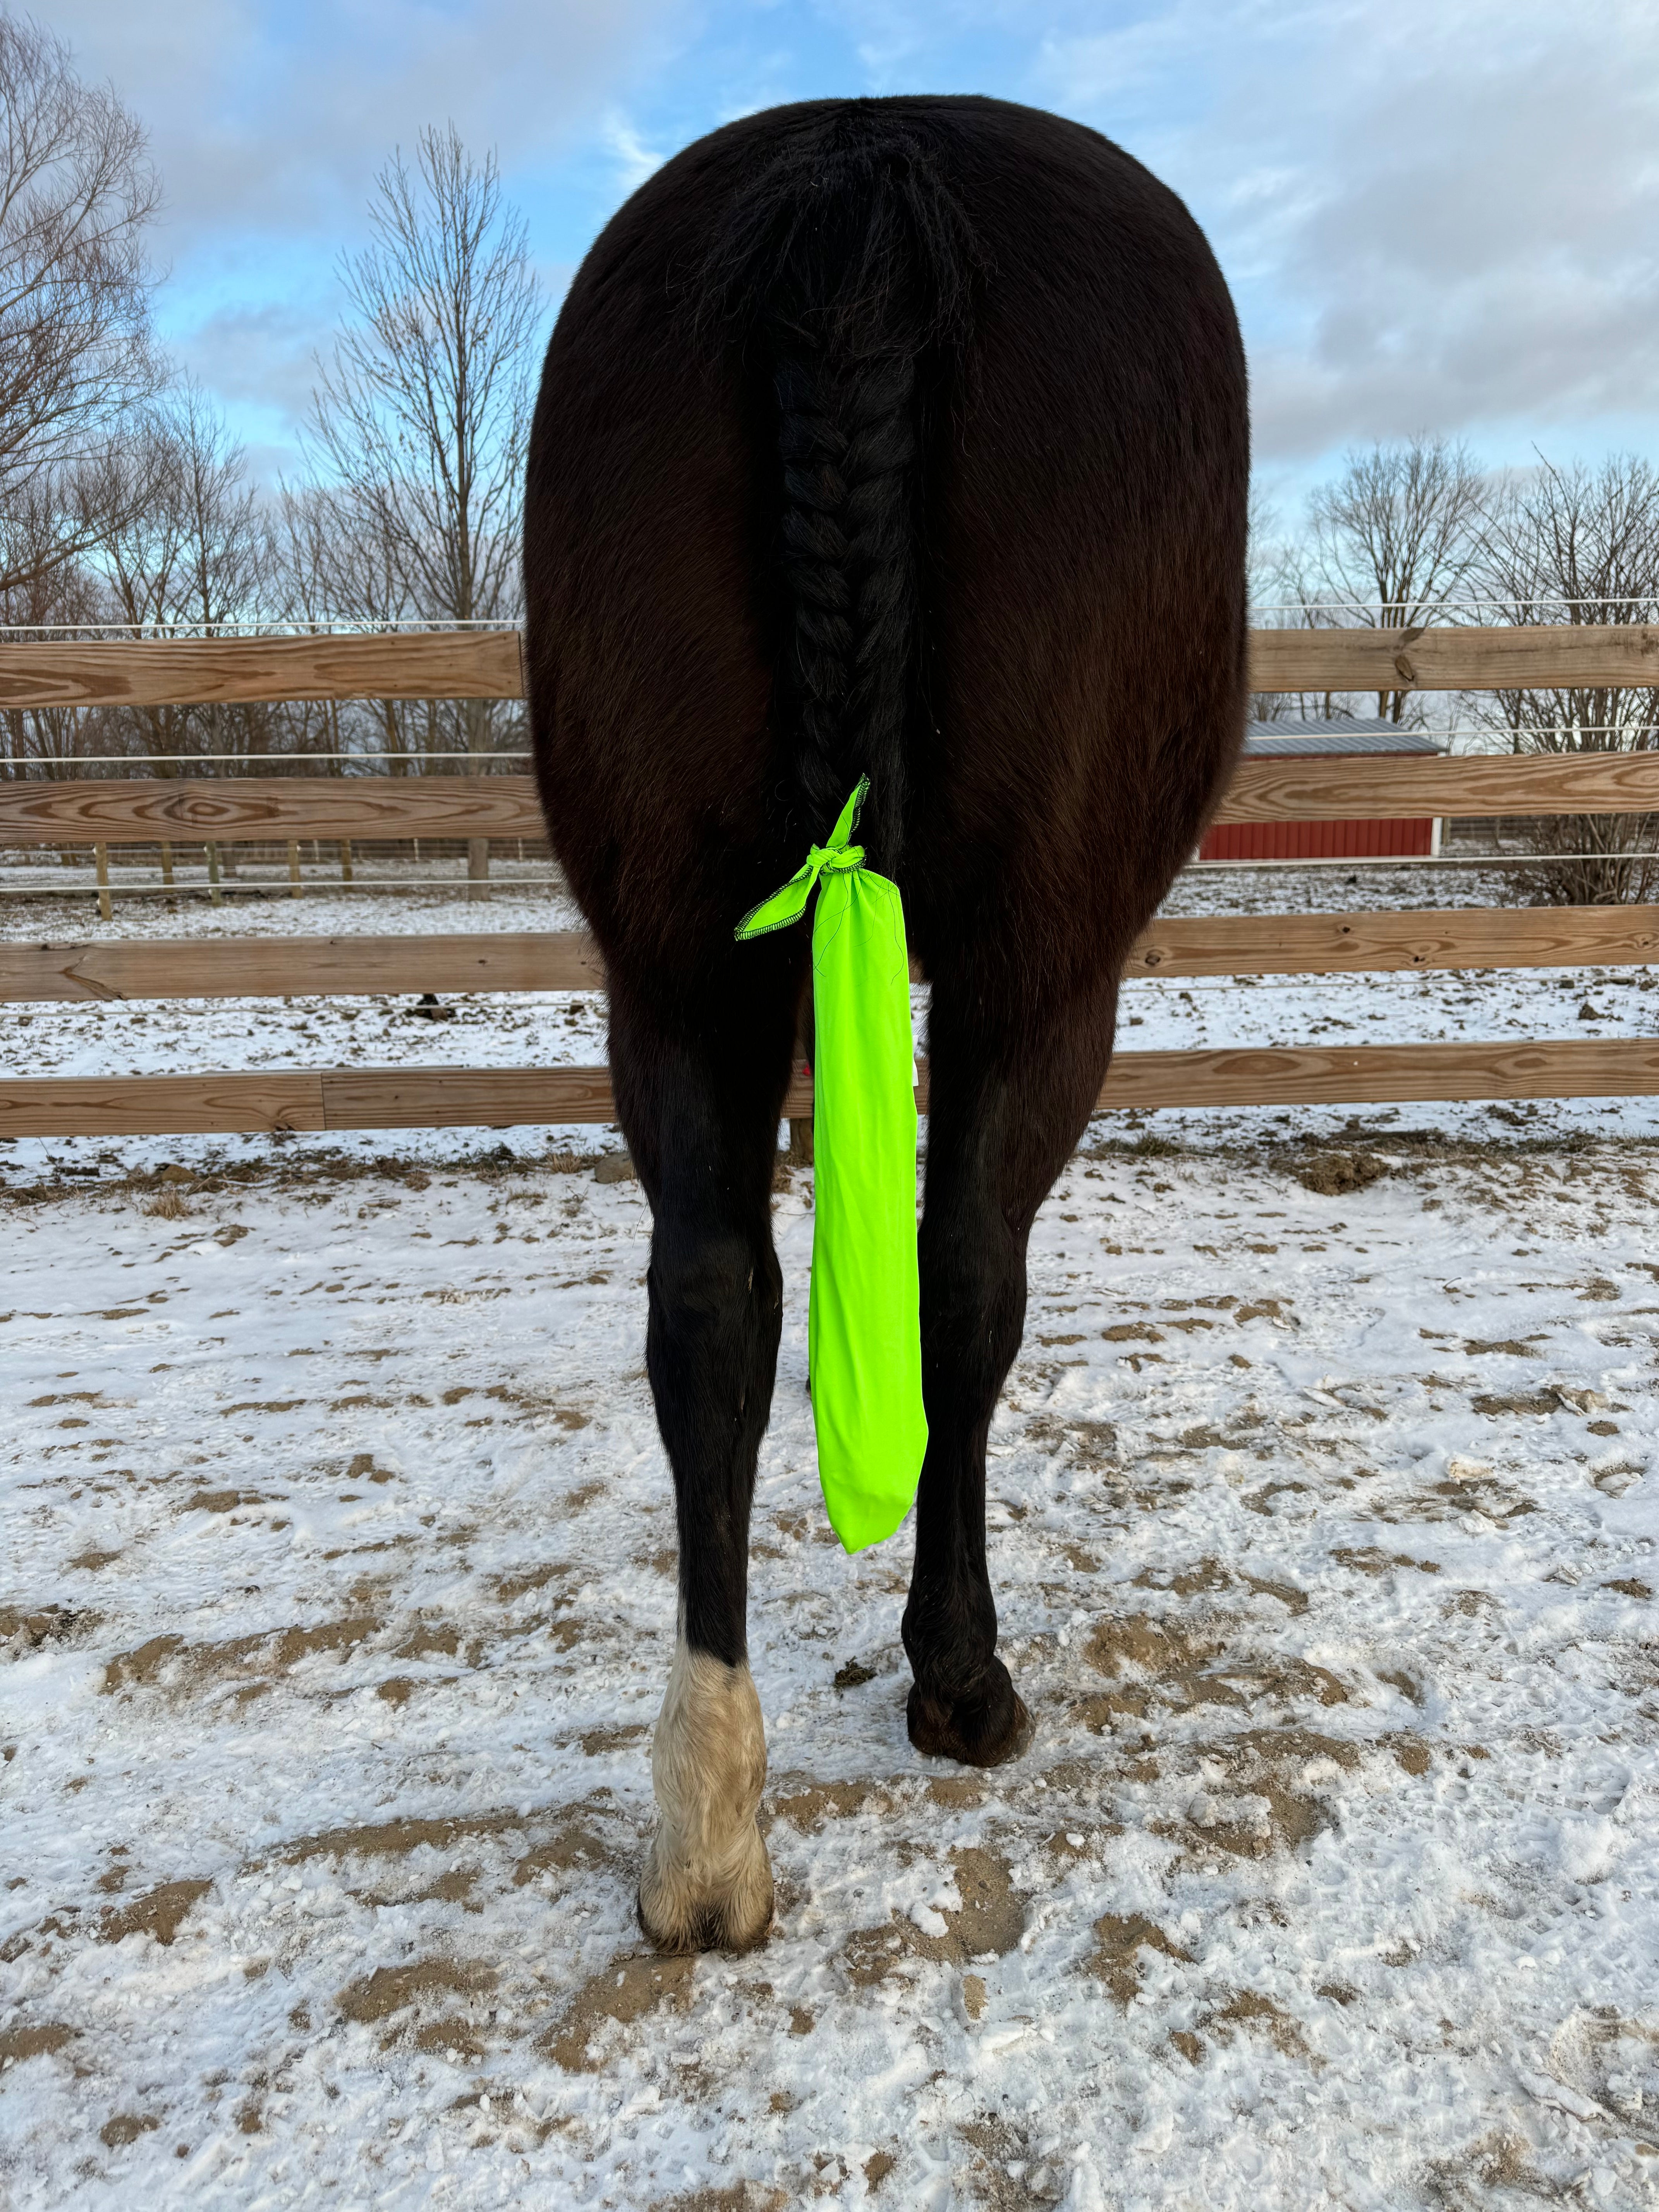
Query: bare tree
x=187, y=551
x=1391, y=542
x=43, y=601
x=330, y=562
x=77, y=194
x=1580, y=545
x=420, y=422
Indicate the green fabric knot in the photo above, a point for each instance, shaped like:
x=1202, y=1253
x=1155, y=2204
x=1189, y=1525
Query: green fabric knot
x=838, y=857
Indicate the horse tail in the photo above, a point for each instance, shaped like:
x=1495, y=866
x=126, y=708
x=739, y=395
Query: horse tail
x=848, y=258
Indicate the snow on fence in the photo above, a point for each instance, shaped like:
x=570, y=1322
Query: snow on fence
x=488, y=664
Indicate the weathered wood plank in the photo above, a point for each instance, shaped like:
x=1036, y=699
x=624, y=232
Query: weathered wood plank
x=187, y=671
x=135, y=810
x=464, y=1097
x=487, y=665
x=140, y=810
x=1335, y=944
x=486, y=1097
x=161, y=1105
x=1549, y=656
x=1362, y=1074
x=283, y=967
x=567, y=960
x=1382, y=787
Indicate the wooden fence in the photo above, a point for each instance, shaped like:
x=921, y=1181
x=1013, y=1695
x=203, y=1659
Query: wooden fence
x=488, y=665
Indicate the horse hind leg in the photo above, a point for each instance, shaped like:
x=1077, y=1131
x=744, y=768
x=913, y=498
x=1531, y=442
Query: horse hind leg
x=1009, y=1101
x=699, y=1102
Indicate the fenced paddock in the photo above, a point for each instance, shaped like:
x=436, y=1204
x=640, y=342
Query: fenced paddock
x=339, y=1591
x=487, y=665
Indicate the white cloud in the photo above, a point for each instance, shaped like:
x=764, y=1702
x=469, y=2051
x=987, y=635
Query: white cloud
x=1432, y=217
x=635, y=160
x=273, y=118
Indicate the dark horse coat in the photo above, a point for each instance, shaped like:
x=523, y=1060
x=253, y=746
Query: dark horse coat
x=903, y=438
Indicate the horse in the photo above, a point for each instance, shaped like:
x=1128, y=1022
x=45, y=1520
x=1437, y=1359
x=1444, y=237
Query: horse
x=903, y=438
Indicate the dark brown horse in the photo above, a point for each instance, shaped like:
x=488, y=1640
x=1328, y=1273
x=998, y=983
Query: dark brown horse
x=903, y=438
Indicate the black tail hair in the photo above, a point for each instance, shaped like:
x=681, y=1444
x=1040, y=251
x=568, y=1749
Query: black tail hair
x=850, y=260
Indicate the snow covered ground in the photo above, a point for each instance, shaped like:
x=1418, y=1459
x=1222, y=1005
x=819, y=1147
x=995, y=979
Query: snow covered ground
x=337, y=1600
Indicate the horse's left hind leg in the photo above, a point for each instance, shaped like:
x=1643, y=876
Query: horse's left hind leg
x=699, y=1103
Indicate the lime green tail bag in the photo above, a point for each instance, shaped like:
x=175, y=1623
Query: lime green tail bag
x=864, y=1330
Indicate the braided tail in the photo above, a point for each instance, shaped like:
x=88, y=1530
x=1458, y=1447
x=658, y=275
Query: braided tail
x=850, y=260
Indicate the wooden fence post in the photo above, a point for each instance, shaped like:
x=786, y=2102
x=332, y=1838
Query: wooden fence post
x=212, y=851
x=345, y=859
x=477, y=867
x=294, y=867
x=100, y=854
x=166, y=861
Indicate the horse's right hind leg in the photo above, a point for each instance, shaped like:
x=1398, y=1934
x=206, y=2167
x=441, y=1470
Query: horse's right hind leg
x=699, y=1100
x=1009, y=1101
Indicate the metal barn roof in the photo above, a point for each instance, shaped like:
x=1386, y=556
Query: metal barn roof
x=1358, y=734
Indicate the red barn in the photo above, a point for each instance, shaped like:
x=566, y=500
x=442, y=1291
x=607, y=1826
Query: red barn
x=1323, y=841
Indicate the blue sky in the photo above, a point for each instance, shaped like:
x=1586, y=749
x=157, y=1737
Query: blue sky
x=1440, y=215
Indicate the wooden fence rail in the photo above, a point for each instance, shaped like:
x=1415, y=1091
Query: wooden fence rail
x=192, y=671
x=502, y=1098
x=566, y=960
x=136, y=810
x=488, y=665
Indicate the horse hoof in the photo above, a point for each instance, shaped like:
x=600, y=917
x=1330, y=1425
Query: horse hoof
x=679, y=1913
x=986, y=1729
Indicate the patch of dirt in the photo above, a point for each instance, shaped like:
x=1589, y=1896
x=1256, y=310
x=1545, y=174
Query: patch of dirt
x=1003, y=2173
x=30, y=1630
x=1371, y=1559
x=1266, y=1811
x=1087, y=1444
x=1411, y=1753
x=158, y=1914
x=989, y=1922
x=733, y=2197
x=1119, y=1940
x=596, y=1741
x=34, y=2039
x=1190, y=1581
x=396, y=1839
x=1333, y=1175
x=123, y=2127
x=574, y=1845
x=520, y=1583
x=377, y=1995
x=1293, y=1600
x=632, y=1985
x=268, y=1651
x=1174, y=1661
x=808, y=1808
x=1248, y=2008
x=428, y=1637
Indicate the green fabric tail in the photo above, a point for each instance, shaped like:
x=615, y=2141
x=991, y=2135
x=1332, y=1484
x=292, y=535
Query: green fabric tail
x=863, y=1329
